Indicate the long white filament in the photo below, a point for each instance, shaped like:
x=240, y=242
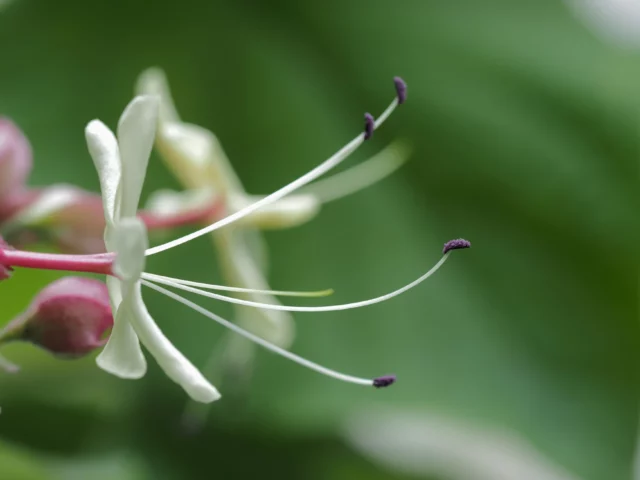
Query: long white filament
x=318, y=171
x=179, y=284
x=209, y=286
x=260, y=341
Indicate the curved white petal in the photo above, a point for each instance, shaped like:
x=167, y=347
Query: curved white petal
x=288, y=212
x=240, y=269
x=195, y=156
x=128, y=240
x=153, y=81
x=174, y=364
x=193, y=153
x=122, y=356
x=136, y=133
x=103, y=148
x=115, y=292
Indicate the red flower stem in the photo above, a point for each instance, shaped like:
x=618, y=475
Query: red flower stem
x=51, y=261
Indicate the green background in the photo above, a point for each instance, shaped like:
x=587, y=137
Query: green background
x=524, y=125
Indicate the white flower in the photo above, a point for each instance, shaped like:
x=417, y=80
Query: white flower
x=196, y=157
x=122, y=166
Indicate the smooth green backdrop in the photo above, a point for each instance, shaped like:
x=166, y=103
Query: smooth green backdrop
x=525, y=130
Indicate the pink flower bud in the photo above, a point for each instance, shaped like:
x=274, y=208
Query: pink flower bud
x=79, y=226
x=64, y=215
x=15, y=157
x=68, y=318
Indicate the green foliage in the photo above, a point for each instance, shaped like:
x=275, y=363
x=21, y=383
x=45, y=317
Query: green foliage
x=525, y=134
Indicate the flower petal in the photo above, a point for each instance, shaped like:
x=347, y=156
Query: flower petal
x=288, y=212
x=153, y=81
x=103, y=148
x=170, y=202
x=174, y=364
x=122, y=356
x=16, y=157
x=195, y=156
x=193, y=153
x=136, y=132
x=128, y=240
x=241, y=269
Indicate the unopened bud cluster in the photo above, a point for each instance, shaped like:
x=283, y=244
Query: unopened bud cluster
x=69, y=318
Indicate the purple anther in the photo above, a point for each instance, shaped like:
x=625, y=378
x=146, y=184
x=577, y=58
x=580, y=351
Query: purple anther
x=384, y=381
x=369, y=125
x=456, y=244
x=401, y=89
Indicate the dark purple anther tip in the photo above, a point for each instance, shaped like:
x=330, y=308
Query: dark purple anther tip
x=456, y=244
x=369, y=125
x=401, y=89
x=385, y=381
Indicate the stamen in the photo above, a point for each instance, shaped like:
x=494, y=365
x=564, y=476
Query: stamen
x=260, y=341
x=401, y=89
x=209, y=286
x=308, y=177
x=369, y=125
x=456, y=244
x=287, y=308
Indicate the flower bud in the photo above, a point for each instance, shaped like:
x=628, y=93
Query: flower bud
x=15, y=157
x=67, y=318
x=67, y=216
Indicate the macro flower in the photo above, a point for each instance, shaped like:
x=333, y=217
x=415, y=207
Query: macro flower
x=196, y=157
x=121, y=164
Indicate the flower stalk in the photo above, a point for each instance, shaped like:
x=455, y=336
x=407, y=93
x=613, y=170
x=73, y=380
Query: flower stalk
x=100, y=264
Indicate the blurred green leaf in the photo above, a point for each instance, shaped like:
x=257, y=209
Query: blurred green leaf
x=20, y=464
x=525, y=132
